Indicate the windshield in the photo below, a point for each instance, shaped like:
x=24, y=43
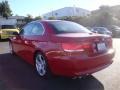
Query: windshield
x=68, y=27
x=8, y=27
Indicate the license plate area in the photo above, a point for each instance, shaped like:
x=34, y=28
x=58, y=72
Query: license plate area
x=101, y=47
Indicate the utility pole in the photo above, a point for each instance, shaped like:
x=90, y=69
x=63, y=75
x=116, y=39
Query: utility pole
x=74, y=7
x=74, y=10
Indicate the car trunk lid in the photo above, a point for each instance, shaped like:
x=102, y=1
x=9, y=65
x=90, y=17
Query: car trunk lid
x=90, y=43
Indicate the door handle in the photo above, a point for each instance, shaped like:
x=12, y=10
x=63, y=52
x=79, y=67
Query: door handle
x=27, y=42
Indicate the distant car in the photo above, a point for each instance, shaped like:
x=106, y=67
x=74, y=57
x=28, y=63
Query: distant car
x=101, y=30
x=89, y=28
x=7, y=31
x=115, y=30
x=63, y=48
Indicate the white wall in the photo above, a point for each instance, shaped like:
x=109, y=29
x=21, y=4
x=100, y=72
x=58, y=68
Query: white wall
x=67, y=11
x=4, y=21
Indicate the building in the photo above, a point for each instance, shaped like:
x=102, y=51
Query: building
x=67, y=11
x=20, y=19
x=12, y=20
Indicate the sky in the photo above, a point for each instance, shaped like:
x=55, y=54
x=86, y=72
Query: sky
x=40, y=7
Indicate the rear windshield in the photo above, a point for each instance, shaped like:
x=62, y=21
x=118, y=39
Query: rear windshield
x=8, y=27
x=68, y=27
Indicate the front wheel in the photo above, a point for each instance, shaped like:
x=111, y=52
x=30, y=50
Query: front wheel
x=41, y=65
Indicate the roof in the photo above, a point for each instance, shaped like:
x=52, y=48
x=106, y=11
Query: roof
x=67, y=8
x=17, y=17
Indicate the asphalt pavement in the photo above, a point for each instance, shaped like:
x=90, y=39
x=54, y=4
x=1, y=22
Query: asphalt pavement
x=15, y=74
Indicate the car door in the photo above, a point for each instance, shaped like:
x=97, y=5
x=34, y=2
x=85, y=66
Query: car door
x=17, y=43
x=20, y=46
x=31, y=39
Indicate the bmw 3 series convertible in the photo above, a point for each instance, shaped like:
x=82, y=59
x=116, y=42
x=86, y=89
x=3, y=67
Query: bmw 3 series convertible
x=62, y=48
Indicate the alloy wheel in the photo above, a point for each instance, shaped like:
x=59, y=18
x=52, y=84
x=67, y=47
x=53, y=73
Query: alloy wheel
x=41, y=65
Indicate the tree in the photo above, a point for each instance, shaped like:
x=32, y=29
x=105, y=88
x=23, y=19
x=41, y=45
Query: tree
x=38, y=18
x=102, y=17
x=5, y=10
x=104, y=8
x=67, y=18
x=52, y=18
x=29, y=18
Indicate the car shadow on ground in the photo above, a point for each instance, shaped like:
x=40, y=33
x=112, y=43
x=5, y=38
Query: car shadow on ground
x=18, y=75
x=4, y=40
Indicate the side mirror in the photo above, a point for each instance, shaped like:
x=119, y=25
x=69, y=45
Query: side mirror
x=15, y=33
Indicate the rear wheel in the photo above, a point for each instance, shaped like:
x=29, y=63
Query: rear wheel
x=42, y=66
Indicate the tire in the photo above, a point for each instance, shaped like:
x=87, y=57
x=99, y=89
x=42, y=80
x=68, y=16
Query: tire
x=11, y=48
x=41, y=66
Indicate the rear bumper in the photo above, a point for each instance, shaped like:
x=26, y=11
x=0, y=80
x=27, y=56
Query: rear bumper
x=75, y=65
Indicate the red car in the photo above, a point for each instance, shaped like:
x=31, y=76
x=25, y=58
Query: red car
x=62, y=48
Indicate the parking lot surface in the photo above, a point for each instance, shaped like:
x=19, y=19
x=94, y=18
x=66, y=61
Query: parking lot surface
x=15, y=74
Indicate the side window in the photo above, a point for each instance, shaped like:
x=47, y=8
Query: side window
x=37, y=29
x=27, y=29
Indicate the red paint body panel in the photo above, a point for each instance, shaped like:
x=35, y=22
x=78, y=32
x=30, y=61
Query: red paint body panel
x=76, y=65
x=62, y=62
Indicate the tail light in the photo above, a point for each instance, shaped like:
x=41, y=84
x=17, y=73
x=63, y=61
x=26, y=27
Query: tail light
x=70, y=47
